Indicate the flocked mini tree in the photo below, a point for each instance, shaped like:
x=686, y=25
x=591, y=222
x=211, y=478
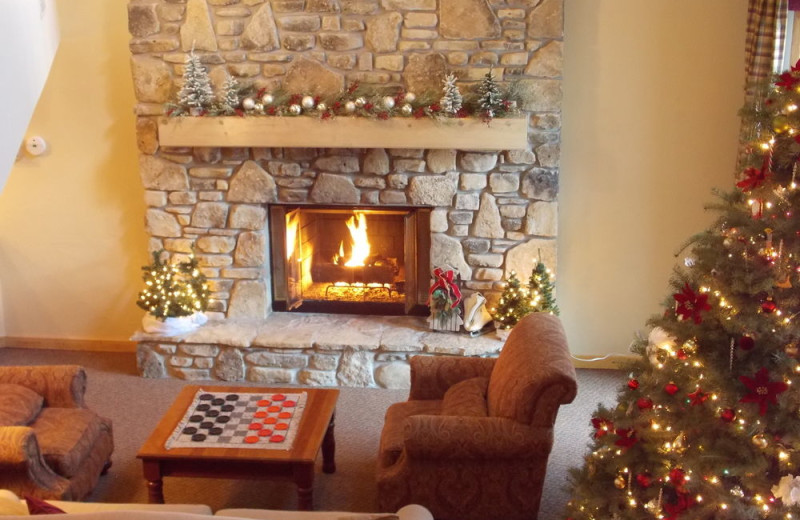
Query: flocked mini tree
x=196, y=93
x=451, y=99
x=229, y=101
x=173, y=290
x=491, y=98
x=708, y=424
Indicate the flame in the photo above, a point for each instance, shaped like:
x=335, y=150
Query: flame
x=292, y=221
x=357, y=224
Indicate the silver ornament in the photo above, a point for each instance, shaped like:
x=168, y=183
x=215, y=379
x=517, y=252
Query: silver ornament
x=307, y=102
x=267, y=99
x=349, y=107
x=322, y=107
x=689, y=261
x=295, y=110
x=388, y=102
x=410, y=97
x=259, y=107
x=406, y=109
x=248, y=103
x=360, y=102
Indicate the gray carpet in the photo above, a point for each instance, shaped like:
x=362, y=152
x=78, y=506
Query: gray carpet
x=135, y=404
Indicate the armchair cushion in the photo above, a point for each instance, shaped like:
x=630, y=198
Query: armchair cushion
x=67, y=436
x=467, y=398
x=392, y=438
x=18, y=405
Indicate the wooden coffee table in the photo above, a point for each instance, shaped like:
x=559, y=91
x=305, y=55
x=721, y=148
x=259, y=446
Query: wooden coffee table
x=296, y=464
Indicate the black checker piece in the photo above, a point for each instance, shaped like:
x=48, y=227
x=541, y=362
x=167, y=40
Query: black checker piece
x=203, y=407
x=206, y=425
x=199, y=437
x=190, y=430
x=206, y=397
x=196, y=418
x=227, y=408
x=232, y=397
x=215, y=431
x=218, y=401
x=223, y=419
x=212, y=413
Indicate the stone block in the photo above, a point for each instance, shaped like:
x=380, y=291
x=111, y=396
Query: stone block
x=547, y=61
x=213, y=244
x=542, y=219
x=250, y=249
x=248, y=300
x=393, y=62
x=419, y=34
x=191, y=374
x=210, y=215
x=439, y=220
x=513, y=210
x=457, y=58
x=199, y=350
x=355, y=368
x=441, y=161
x=338, y=163
x=541, y=95
x=383, y=32
x=540, y=183
x=296, y=43
x=305, y=75
x=487, y=222
x=393, y=376
x=247, y=217
x=230, y=365
x=161, y=224
x=446, y=250
x=251, y=183
x=420, y=20
x=522, y=257
x=433, y=190
x=409, y=165
x=270, y=375
x=316, y=378
x=398, y=181
x=300, y=23
x=268, y=359
x=485, y=260
x=511, y=224
x=341, y=41
x=261, y=32
x=514, y=58
x=484, y=58
x=546, y=20
x=473, y=181
x=470, y=201
x=342, y=61
x=467, y=19
x=323, y=6
x=409, y=5
x=155, y=199
x=323, y=362
x=142, y=20
x=333, y=189
x=229, y=27
x=424, y=72
x=476, y=245
x=152, y=79
x=376, y=162
x=150, y=364
x=477, y=162
x=196, y=32
x=370, y=182
x=504, y=182
x=486, y=273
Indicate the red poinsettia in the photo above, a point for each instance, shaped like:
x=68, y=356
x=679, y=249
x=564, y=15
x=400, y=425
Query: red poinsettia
x=762, y=390
x=697, y=397
x=691, y=304
x=602, y=426
x=787, y=80
x=683, y=501
x=754, y=178
x=627, y=437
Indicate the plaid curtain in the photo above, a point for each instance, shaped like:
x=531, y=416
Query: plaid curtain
x=766, y=25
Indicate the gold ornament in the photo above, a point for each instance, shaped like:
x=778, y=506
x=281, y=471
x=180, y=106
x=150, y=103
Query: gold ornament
x=780, y=123
x=792, y=349
x=407, y=109
x=759, y=440
x=619, y=482
x=349, y=107
x=295, y=110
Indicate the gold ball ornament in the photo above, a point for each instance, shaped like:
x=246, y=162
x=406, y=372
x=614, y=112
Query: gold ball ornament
x=406, y=109
x=259, y=107
x=295, y=110
x=759, y=441
x=322, y=107
x=780, y=123
x=350, y=107
x=360, y=102
x=619, y=482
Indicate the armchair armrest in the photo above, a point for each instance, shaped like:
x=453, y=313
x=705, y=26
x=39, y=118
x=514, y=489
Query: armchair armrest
x=62, y=386
x=22, y=467
x=476, y=438
x=431, y=376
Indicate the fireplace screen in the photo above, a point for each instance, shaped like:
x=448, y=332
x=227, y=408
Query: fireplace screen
x=349, y=259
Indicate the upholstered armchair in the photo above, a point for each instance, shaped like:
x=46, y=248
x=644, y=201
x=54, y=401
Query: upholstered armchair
x=51, y=445
x=472, y=441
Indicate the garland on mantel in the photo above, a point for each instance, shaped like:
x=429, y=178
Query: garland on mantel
x=486, y=101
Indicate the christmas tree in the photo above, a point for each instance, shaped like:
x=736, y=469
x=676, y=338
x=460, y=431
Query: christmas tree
x=542, y=290
x=196, y=92
x=491, y=99
x=230, y=96
x=173, y=290
x=707, y=425
x=514, y=303
x=451, y=100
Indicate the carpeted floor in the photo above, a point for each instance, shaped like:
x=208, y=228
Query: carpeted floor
x=135, y=405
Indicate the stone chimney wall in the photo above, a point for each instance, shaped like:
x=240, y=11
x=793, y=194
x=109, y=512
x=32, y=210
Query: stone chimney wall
x=494, y=211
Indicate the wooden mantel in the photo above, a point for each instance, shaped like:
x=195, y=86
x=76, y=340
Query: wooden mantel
x=343, y=132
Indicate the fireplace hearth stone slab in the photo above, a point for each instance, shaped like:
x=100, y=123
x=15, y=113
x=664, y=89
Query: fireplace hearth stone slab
x=304, y=348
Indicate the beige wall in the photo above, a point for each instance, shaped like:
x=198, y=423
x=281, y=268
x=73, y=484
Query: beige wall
x=651, y=94
x=651, y=91
x=71, y=237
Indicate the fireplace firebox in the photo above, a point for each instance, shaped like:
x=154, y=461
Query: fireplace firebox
x=350, y=259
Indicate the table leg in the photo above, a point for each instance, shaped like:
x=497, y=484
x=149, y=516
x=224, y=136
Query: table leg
x=329, y=448
x=304, y=478
x=155, y=484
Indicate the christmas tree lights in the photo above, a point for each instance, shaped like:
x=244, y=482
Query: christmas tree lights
x=518, y=300
x=706, y=426
x=173, y=290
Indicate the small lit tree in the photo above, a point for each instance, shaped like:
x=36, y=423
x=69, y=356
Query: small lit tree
x=514, y=303
x=173, y=290
x=542, y=290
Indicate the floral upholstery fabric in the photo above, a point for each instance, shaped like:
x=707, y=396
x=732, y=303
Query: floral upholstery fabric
x=18, y=405
x=466, y=398
x=466, y=467
x=61, y=453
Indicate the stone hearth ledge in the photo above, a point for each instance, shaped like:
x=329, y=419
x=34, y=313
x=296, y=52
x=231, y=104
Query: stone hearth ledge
x=307, y=349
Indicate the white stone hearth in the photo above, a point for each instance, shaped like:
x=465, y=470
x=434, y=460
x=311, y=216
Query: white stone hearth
x=306, y=349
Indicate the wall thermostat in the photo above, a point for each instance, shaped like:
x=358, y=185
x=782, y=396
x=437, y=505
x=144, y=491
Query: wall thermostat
x=35, y=145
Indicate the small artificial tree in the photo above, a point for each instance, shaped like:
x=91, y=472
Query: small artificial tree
x=196, y=93
x=491, y=99
x=514, y=303
x=173, y=290
x=451, y=100
x=230, y=101
x=542, y=290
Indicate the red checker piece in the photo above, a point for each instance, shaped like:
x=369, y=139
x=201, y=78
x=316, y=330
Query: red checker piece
x=289, y=404
x=284, y=415
x=270, y=420
x=251, y=439
x=264, y=433
x=264, y=402
x=277, y=438
x=260, y=415
x=278, y=397
x=282, y=426
x=254, y=426
x=274, y=409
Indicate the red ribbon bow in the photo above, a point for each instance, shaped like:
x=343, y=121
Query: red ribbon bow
x=444, y=280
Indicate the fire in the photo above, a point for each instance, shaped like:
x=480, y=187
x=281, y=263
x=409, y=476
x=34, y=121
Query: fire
x=292, y=221
x=357, y=224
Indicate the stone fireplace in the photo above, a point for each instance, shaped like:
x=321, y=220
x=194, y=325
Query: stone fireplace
x=483, y=212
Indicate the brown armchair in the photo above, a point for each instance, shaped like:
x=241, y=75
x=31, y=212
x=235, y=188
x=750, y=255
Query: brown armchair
x=51, y=445
x=472, y=441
